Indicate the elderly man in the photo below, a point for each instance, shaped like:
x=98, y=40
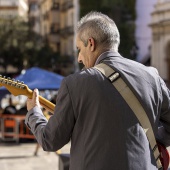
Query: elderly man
x=105, y=134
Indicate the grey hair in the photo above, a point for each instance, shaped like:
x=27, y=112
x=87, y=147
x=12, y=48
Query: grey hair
x=101, y=28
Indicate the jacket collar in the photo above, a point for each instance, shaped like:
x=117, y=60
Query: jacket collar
x=105, y=55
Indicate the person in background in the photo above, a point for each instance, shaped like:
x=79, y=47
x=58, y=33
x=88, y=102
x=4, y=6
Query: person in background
x=22, y=110
x=104, y=132
x=10, y=108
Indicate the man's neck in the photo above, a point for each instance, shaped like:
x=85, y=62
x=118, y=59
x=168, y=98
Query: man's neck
x=102, y=54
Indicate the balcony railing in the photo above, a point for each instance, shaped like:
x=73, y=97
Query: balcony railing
x=66, y=5
x=55, y=6
x=67, y=31
x=54, y=29
x=53, y=38
x=46, y=16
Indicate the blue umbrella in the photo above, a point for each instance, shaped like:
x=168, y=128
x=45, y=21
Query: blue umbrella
x=38, y=78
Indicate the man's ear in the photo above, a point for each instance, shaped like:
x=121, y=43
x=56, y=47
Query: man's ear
x=92, y=44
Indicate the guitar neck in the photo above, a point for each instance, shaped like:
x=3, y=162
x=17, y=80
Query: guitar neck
x=47, y=104
x=19, y=88
x=44, y=102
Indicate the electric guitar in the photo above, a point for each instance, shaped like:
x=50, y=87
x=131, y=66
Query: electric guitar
x=19, y=88
x=164, y=156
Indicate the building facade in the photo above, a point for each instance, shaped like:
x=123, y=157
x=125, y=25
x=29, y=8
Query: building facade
x=160, y=49
x=57, y=22
x=9, y=11
x=143, y=34
x=14, y=8
x=34, y=15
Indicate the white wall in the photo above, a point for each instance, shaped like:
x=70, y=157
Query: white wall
x=143, y=33
x=8, y=2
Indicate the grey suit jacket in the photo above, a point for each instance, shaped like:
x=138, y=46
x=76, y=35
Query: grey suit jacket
x=104, y=132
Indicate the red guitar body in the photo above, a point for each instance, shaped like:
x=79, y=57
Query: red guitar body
x=164, y=156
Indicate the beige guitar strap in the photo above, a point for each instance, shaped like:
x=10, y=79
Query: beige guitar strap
x=134, y=104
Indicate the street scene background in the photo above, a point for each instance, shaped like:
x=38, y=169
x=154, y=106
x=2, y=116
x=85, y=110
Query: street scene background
x=38, y=36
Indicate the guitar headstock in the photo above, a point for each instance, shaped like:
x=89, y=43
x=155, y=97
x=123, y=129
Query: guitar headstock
x=15, y=87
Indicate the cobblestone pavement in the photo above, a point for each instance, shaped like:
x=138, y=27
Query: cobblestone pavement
x=21, y=157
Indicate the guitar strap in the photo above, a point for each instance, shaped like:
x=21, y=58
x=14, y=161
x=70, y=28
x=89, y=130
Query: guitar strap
x=134, y=104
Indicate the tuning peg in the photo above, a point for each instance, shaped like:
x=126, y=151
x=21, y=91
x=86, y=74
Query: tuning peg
x=13, y=83
x=8, y=80
x=0, y=78
x=18, y=81
x=4, y=77
x=22, y=82
x=22, y=87
x=4, y=81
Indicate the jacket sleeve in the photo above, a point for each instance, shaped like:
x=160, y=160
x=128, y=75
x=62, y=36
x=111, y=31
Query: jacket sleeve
x=55, y=133
x=164, y=129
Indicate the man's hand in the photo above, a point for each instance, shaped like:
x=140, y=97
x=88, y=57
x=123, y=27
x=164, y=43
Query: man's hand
x=34, y=101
